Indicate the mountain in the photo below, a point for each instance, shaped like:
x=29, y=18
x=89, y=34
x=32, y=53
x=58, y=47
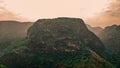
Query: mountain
x=110, y=36
x=11, y=30
x=56, y=43
x=95, y=30
x=52, y=32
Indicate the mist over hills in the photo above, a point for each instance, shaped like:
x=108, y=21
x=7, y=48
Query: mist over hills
x=95, y=30
x=56, y=43
x=12, y=30
x=110, y=36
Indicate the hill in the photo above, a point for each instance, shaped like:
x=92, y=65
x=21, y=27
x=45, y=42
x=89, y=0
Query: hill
x=12, y=30
x=56, y=43
x=52, y=32
x=110, y=36
x=95, y=30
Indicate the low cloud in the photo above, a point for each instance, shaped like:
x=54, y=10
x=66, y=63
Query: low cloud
x=8, y=15
x=114, y=9
x=108, y=17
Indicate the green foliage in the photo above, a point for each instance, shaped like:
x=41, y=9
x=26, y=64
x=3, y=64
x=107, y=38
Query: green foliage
x=61, y=59
x=110, y=36
x=56, y=43
x=112, y=58
x=2, y=66
x=17, y=45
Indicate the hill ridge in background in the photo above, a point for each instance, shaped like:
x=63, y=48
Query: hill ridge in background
x=95, y=30
x=110, y=36
x=56, y=43
x=12, y=30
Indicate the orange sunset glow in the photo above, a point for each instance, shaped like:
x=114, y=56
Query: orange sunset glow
x=31, y=10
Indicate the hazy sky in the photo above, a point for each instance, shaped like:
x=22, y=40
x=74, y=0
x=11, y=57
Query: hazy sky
x=109, y=17
x=94, y=12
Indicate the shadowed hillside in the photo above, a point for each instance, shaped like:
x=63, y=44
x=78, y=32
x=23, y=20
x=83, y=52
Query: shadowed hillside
x=56, y=43
x=12, y=30
x=110, y=36
x=52, y=31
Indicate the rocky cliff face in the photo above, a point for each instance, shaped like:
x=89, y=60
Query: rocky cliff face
x=57, y=34
x=57, y=43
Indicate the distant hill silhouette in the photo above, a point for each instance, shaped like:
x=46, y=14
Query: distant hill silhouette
x=95, y=30
x=110, y=36
x=11, y=30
